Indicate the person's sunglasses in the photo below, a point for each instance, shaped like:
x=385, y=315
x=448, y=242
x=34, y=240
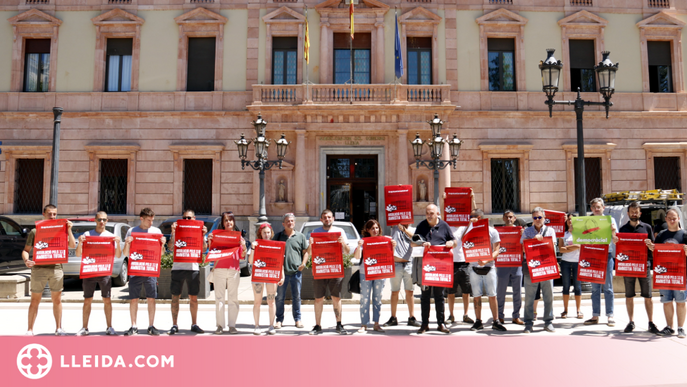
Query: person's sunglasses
x=537, y=217
x=101, y=220
x=187, y=218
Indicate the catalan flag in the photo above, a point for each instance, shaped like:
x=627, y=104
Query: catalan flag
x=306, y=44
x=351, y=11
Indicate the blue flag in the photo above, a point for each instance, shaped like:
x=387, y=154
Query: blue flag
x=397, y=53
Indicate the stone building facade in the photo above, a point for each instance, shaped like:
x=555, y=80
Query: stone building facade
x=153, y=124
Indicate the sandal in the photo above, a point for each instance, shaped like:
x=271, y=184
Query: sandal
x=580, y=315
x=564, y=314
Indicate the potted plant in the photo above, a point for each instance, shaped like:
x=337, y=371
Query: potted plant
x=308, y=290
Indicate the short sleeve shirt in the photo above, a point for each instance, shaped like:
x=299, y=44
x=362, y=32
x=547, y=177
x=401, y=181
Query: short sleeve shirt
x=293, y=253
x=642, y=228
x=531, y=232
x=437, y=235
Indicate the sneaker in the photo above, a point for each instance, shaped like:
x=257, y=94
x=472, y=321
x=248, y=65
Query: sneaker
x=630, y=327
x=591, y=321
x=28, y=333
x=196, y=329
x=467, y=319
x=667, y=331
x=681, y=333
x=392, y=322
x=60, y=332
x=219, y=330
x=477, y=325
x=257, y=331
x=299, y=324
x=450, y=319
x=110, y=332
x=131, y=332
x=497, y=326
x=173, y=330
x=340, y=329
x=233, y=331
x=278, y=325
x=653, y=328
x=412, y=322
x=611, y=322
x=528, y=329
x=316, y=330
x=82, y=332
x=549, y=327
x=153, y=331
x=271, y=331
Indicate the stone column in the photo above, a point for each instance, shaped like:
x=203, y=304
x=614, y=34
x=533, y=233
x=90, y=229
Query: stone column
x=402, y=167
x=325, y=55
x=380, y=52
x=300, y=173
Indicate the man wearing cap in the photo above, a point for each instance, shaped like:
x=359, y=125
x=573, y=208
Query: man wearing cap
x=295, y=258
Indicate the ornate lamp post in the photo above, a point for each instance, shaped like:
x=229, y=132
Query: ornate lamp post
x=436, y=147
x=550, y=75
x=261, y=164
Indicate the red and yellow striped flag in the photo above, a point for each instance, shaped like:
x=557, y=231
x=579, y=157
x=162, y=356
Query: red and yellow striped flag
x=350, y=11
x=306, y=44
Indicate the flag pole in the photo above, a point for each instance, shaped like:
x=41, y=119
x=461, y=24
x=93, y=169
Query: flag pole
x=350, y=53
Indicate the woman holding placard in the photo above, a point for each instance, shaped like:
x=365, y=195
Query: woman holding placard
x=370, y=288
x=265, y=233
x=569, y=262
x=226, y=277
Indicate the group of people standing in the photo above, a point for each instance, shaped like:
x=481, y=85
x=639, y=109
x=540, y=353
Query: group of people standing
x=474, y=279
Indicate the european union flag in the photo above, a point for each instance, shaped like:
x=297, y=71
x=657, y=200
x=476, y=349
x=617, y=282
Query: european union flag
x=397, y=53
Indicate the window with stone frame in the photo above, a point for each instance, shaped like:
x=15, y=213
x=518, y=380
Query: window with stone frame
x=201, y=64
x=37, y=65
x=284, y=60
x=118, y=64
x=28, y=186
x=113, y=186
x=360, y=49
x=419, y=60
x=660, y=67
x=505, y=185
x=582, y=74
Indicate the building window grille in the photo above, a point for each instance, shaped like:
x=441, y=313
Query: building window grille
x=593, y=181
x=667, y=173
x=28, y=186
x=113, y=185
x=505, y=185
x=198, y=186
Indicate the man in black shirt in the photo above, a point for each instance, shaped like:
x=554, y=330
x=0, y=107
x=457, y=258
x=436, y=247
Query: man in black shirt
x=435, y=232
x=672, y=235
x=635, y=225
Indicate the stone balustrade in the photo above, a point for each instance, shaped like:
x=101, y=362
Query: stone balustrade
x=337, y=94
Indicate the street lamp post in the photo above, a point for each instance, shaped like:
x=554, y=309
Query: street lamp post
x=436, y=147
x=261, y=164
x=550, y=75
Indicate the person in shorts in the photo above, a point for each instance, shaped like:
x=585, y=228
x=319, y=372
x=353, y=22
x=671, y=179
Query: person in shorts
x=147, y=217
x=461, y=276
x=673, y=234
x=190, y=274
x=403, y=260
x=105, y=282
x=42, y=274
x=333, y=284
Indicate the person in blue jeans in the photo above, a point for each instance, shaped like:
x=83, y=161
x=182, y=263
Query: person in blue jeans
x=597, y=206
x=295, y=258
x=369, y=288
x=569, y=262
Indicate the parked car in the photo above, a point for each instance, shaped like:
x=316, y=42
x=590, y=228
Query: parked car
x=12, y=241
x=166, y=226
x=120, y=271
x=347, y=227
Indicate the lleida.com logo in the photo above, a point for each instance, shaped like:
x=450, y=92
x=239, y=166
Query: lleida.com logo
x=34, y=361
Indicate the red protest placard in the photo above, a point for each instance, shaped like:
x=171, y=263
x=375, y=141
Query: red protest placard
x=476, y=242
x=188, y=241
x=510, y=253
x=630, y=255
x=541, y=259
x=437, y=267
x=593, y=263
x=457, y=206
x=268, y=259
x=399, y=204
x=378, y=258
x=556, y=220
x=327, y=258
x=224, y=245
x=669, y=266
x=97, y=257
x=50, y=244
x=144, y=254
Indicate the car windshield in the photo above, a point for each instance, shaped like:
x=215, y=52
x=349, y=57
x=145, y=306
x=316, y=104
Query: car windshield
x=350, y=232
x=77, y=230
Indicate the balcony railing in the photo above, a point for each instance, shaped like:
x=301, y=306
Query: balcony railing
x=338, y=94
x=659, y=3
x=119, y=1
x=37, y=1
x=501, y=2
x=581, y=3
